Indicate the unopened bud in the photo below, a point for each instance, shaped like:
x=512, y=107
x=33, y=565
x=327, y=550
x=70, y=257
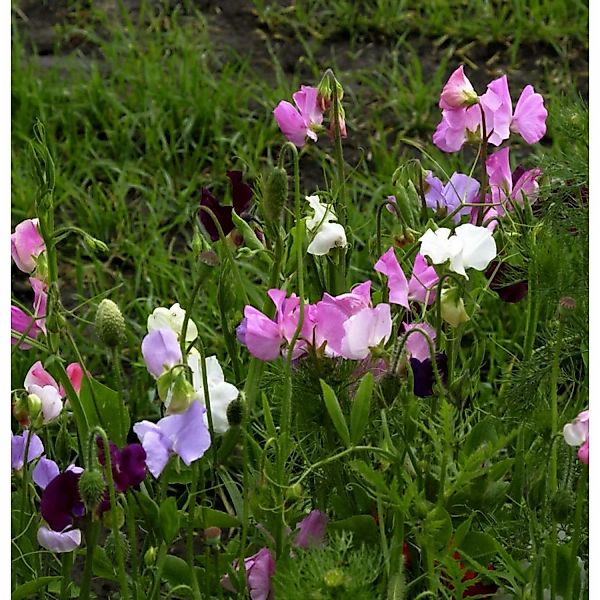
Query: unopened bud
x=110, y=546
x=334, y=578
x=21, y=410
x=294, y=492
x=453, y=308
x=91, y=489
x=150, y=556
x=110, y=324
x=235, y=412
x=175, y=390
x=275, y=195
x=212, y=536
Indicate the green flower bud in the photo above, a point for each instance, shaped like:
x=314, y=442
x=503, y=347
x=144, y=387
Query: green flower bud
x=110, y=546
x=334, y=578
x=175, y=390
x=453, y=308
x=110, y=324
x=275, y=196
x=91, y=489
x=150, y=556
x=235, y=412
x=294, y=492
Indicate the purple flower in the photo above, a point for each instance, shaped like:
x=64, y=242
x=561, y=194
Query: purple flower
x=241, y=198
x=26, y=244
x=45, y=471
x=183, y=434
x=509, y=291
x=423, y=376
x=60, y=503
x=161, y=351
x=17, y=449
x=311, y=530
x=260, y=567
x=55, y=541
x=128, y=465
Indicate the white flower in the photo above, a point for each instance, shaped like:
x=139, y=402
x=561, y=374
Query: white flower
x=50, y=399
x=470, y=247
x=172, y=318
x=327, y=233
x=221, y=393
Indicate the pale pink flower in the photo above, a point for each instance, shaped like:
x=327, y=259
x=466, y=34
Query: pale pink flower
x=26, y=245
x=577, y=433
x=458, y=91
x=299, y=123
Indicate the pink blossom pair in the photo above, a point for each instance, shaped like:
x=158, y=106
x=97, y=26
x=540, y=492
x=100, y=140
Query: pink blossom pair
x=462, y=113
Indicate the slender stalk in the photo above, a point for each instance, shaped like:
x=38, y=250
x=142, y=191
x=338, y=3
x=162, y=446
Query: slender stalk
x=116, y=358
x=484, y=177
x=160, y=563
x=65, y=583
x=581, y=497
x=90, y=542
x=131, y=532
x=190, y=530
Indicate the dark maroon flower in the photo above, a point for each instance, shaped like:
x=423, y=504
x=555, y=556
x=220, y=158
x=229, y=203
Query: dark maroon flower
x=128, y=465
x=61, y=503
x=241, y=194
x=423, y=376
x=506, y=287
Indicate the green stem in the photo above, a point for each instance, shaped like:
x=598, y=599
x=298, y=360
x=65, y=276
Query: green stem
x=90, y=543
x=116, y=358
x=484, y=177
x=190, y=530
x=65, y=583
x=581, y=497
x=160, y=563
x=130, y=505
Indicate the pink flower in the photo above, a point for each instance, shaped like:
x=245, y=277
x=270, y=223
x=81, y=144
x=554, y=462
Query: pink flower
x=298, y=124
x=529, y=120
x=311, y=530
x=577, y=433
x=264, y=337
x=398, y=285
x=260, y=567
x=422, y=282
x=451, y=133
x=22, y=322
x=417, y=345
x=26, y=245
x=365, y=330
x=458, y=91
x=497, y=108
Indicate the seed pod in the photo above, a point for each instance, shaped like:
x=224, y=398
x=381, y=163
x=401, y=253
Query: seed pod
x=110, y=324
x=275, y=196
x=91, y=489
x=110, y=546
x=235, y=412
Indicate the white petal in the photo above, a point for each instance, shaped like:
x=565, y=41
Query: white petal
x=435, y=245
x=330, y=235
x=574, y=434
x=51, y=401
x=323, y=213
x=57, y=541
x=479, y=246
x=172, y=318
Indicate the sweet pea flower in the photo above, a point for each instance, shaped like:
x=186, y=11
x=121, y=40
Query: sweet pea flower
x=18, y=444
x=183, y=434
x=470, y=247
x=128, y=465
x=529, y=118
x=264, y=337
x=260, y=567
x=241, y=201
x=330, y=314
x=327, y=233
x=161, y=351
x=365, y=330
x=577, y=433
x=422, y=281
x=221, y=394
x=21, y=322
x=417, y=345
x=297, y=124
x=56, y=541
x=172, y=318
x=458, y=91
x=311, y=530
x=510, y=290
x=452, y=307
x=61, y=503
x=26, y=245
x=397, y=283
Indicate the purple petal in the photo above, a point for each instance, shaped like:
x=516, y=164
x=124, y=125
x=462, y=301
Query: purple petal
x=312, y=530
x=45, y=471
x=17, y=446
x=161, y=351
x=222, y=213
x=56, y=541
x=423, y=376
x=156, y=445
x=61, y=502
x=241, y=192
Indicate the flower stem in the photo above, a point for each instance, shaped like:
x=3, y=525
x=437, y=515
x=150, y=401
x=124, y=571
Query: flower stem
x=484, y=177
x=65, y=583
x=581, y=496
x=91, y=538
x=190, y=530
x=129, y=503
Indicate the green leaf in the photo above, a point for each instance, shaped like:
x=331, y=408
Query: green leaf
x=176, y=571
x=209, y=517
x=363, y=527
x=437, y=527
x=374, y=478
x=149, y=507
x=479, y=546
x=102, y=566
x=335, y=412
x=169, y=519
x=25, y=591
x=359, y=415
x=483, y=433
x=462, y=530
x=102, y=406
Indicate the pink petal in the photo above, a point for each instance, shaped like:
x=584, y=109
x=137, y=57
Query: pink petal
x=457, y=90
x=529, y=120
x=39, y=376
x=306, y=101
x=500, y=177
x=26, y=245
x=423, y=280
x=416, y=344
x=497, y=107
x=398, y=285
x=291, y=123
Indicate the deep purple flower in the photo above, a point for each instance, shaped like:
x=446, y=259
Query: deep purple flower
x=509, y=291
x=423, y=376
x=311, y=530
x=241, y=199
x=128, y=465
x=61, y=503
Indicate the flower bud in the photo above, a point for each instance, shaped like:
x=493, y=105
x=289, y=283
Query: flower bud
x=334, y=578
x=107, y=517
x=21, y=410
x=453, y=308
x=294, y=492
x=212, y=536
x=235, y=412
x=110, y=324
x=175, y=390
x=34, y=409
x=150, y=556
x=110, y=546
x=91, y=489
x=275, y=196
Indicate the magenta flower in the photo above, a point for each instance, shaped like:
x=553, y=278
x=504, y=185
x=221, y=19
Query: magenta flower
x=299, y=123
x=241, y=194
x=458, y=91
x=184, y=434
x=75, y=375
x=21, y=322
x=422, y=281
x=330, y=314
x=264, y=337
x=397, y=283
x=577, y=433
x=311, y=532
x=128, y=465
x=451, y=133
x=26, y=245
x=17, y=449
x=161, y=351
x=497, y=108
x=260, y=567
